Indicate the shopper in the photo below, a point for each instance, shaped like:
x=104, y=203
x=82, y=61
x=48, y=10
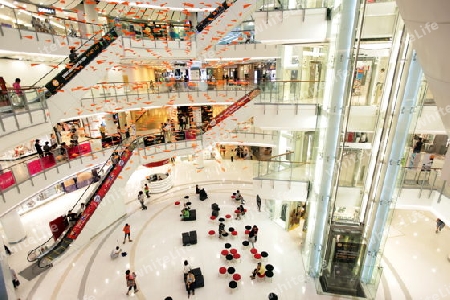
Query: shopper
x=258, y=270
x=73, y=55
x=131, y=281
x=19, y=92
x=38, y=148
x=127, y=230
x=115, y=252
x=416, y=149
x=7, y=250
x=258, y=202
x=147, y=190
x=439, y=225
x=47, y=149
x=141, y=200
x=190, y=283
x=187, y=268
x=222, y=231
x=15, y=280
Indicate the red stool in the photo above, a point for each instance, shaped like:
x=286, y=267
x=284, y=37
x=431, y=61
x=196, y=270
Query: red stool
x=211, y=233
x=253, y=251
x=233, y=251
x=228, y=216
x=236, y=277
x=177, y=203
x=237, y=257
x=224, y=252
x=223, y=272
x=260, y=276
x=213, y=218
x=247, y=232
x=234, y=233
x=257, y=257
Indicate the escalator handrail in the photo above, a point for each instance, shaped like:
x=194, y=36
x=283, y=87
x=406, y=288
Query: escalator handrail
x=64, y=61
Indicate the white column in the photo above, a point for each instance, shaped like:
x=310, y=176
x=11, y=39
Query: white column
x=13, y=227
x=199, y=163
x=111, y=127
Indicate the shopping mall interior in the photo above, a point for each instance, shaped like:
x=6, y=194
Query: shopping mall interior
x=283, y=149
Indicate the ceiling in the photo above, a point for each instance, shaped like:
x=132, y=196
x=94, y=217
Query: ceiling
x=428, y=23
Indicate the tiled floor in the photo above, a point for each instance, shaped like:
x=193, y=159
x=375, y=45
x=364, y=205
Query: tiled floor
x=415, y=262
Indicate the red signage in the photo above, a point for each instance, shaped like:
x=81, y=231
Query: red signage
x=6, y=180
x=99, y=195
x=157, y=163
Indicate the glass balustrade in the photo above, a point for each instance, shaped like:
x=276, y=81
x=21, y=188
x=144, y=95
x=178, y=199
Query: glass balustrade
x=18, y=103
x=274, y=5
x=283, y=170
x=290, y=92
x=25, y=170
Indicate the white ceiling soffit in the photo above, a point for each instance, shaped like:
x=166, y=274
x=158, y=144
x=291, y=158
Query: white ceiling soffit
x=428, y=23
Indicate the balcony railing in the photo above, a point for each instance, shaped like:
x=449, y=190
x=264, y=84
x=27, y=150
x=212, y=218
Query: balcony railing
x=25, y=170
x=18, y=103
x=288, y=92
x=283, y=170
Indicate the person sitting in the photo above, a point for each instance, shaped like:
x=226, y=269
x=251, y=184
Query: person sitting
x=185, y=214
x=190, y=283
x=242, y=209
x=115, y=252
x=259, y=270
x=197, y=189
x=222, y=231
x=238, y=196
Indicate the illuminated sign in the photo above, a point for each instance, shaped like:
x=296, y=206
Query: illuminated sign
x=46, y=10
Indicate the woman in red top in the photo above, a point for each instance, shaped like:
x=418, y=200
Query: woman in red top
x=127, y=232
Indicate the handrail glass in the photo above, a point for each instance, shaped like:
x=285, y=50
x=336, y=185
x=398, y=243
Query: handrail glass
x=24, y=101
x=16, y=174
x=283, y=170
x=289, y=92
x=281, y=5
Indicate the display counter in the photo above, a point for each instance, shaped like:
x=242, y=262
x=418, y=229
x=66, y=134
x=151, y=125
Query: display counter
x=158, y=182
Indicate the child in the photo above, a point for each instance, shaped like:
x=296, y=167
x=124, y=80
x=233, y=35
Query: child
x=147, y=190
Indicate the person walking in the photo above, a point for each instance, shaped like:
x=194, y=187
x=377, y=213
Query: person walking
x=439, y=225
x=19, y=92
x=73, y=55
x=416, y=149
x=127, y=230
x=147, y=190
x=131, y=281
x=258, y=202
x=141, y=200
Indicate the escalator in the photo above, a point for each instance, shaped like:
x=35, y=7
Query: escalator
x=222, y=124
x=220, y=22
x=80, y=75
x=44, y=256
x=72, y=69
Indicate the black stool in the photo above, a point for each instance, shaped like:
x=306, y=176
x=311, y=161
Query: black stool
x=248, y=227
x=231, y=270
x=269, y=275
x=269, y=267
x=264, y=255
x=227, y=245
x=232, y=285
x=221, y=219
x=229, y=258
x=231, y=229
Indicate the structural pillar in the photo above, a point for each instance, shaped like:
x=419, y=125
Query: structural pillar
x=341, y=62
x=13, y=227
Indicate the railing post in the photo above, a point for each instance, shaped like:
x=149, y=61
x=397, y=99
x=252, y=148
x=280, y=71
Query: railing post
x=442, y=190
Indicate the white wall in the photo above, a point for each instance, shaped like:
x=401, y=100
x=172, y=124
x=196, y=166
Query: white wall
x=277, y=26
x=362, y=118
x=27, y=71
x=430, y=121
x=281, y=190
x=285, y=116
x=29, y=131
x=379, y=20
